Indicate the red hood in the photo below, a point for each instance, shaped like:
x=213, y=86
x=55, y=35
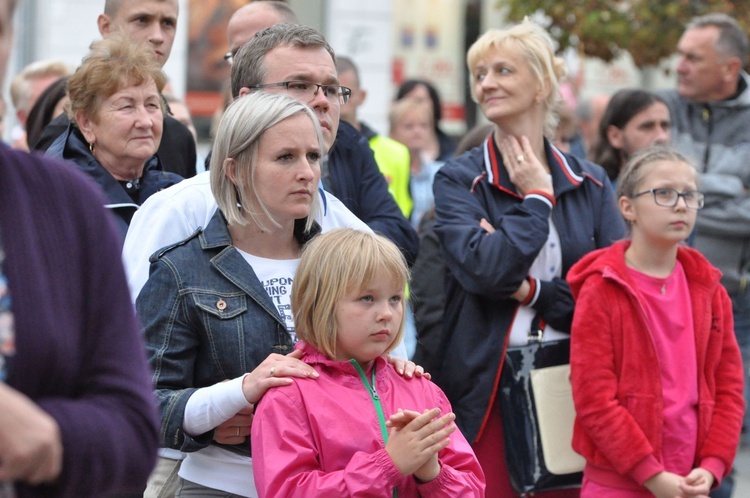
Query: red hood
x=612, y=259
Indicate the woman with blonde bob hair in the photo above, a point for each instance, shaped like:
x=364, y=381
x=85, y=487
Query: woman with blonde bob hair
x=348, y=302
x=216, y=305
x=237, y=145
x=513, y=215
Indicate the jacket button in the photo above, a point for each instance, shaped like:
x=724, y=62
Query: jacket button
x=221, y=305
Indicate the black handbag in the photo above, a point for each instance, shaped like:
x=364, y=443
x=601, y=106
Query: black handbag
x=528, y=432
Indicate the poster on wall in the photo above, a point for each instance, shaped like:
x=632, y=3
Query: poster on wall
x=362, y=32
x=208, y=71
x=429, y=44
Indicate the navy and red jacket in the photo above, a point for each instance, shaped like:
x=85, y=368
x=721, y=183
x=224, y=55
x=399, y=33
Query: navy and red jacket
x=485, y=269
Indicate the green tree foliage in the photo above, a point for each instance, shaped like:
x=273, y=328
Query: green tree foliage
x=648, y=29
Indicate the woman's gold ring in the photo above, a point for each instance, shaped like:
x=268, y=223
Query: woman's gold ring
x=238, y=432
x=272, y=371
x=520, y=158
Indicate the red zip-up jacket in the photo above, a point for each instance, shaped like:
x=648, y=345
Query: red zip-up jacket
x=615, y=371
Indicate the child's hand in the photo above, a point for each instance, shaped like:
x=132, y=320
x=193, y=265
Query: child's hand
x=697, y=483
x=665, y=485
x=414, y=448
x=399, y=419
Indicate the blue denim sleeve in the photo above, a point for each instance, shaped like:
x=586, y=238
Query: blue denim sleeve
x=172, y=343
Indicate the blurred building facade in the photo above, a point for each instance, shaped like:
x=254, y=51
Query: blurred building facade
x=390, y=40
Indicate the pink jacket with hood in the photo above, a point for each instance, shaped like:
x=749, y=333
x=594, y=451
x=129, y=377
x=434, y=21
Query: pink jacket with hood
x=322, y=437
x=615, y=371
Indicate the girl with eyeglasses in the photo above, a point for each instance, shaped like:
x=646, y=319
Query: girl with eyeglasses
x=655, y=367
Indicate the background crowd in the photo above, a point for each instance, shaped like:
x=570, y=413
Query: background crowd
x=149, y=297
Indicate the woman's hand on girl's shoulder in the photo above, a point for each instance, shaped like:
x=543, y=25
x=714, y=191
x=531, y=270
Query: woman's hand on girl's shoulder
x=275, y=371
x=407, y=368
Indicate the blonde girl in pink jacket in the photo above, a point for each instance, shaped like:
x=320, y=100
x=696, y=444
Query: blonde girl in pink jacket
x=360, y=429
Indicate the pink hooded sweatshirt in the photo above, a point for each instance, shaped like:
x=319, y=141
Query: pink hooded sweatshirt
x=322, y=437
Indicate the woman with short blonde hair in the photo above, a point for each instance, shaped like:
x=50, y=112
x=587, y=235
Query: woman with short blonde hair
x=215, y=308
x=513, y=215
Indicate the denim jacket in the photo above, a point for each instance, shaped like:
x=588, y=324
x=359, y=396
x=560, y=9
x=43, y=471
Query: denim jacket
x=207, y=318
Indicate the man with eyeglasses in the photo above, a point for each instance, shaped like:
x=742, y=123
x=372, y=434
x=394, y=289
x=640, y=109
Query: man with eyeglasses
x=349, y=171
x=298, y=60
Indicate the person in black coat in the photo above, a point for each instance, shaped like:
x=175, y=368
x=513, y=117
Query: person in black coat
x=154, y=24
x=117, y=113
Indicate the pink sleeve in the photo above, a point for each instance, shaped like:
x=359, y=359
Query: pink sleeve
x=286, y=460
x=460, y=473
x=716, y=467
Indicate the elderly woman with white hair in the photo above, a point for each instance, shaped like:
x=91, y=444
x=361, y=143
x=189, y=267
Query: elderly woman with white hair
x=216, y=307
x=513, y=215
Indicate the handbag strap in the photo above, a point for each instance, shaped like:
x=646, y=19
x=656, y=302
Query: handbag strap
x=375, y=401
x=536, y=329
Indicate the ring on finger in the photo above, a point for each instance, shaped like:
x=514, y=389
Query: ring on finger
x=520, y=158
x=238, y=432
x=272, y=371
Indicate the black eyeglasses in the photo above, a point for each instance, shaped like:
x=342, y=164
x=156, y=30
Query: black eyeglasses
x=306, y=90
x=229, y=57
x=669, y=197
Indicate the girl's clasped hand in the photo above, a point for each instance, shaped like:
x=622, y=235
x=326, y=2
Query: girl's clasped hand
x=415, y=440
x=696, y=484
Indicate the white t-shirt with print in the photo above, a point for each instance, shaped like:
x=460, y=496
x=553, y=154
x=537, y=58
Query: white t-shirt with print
x=276, y=276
